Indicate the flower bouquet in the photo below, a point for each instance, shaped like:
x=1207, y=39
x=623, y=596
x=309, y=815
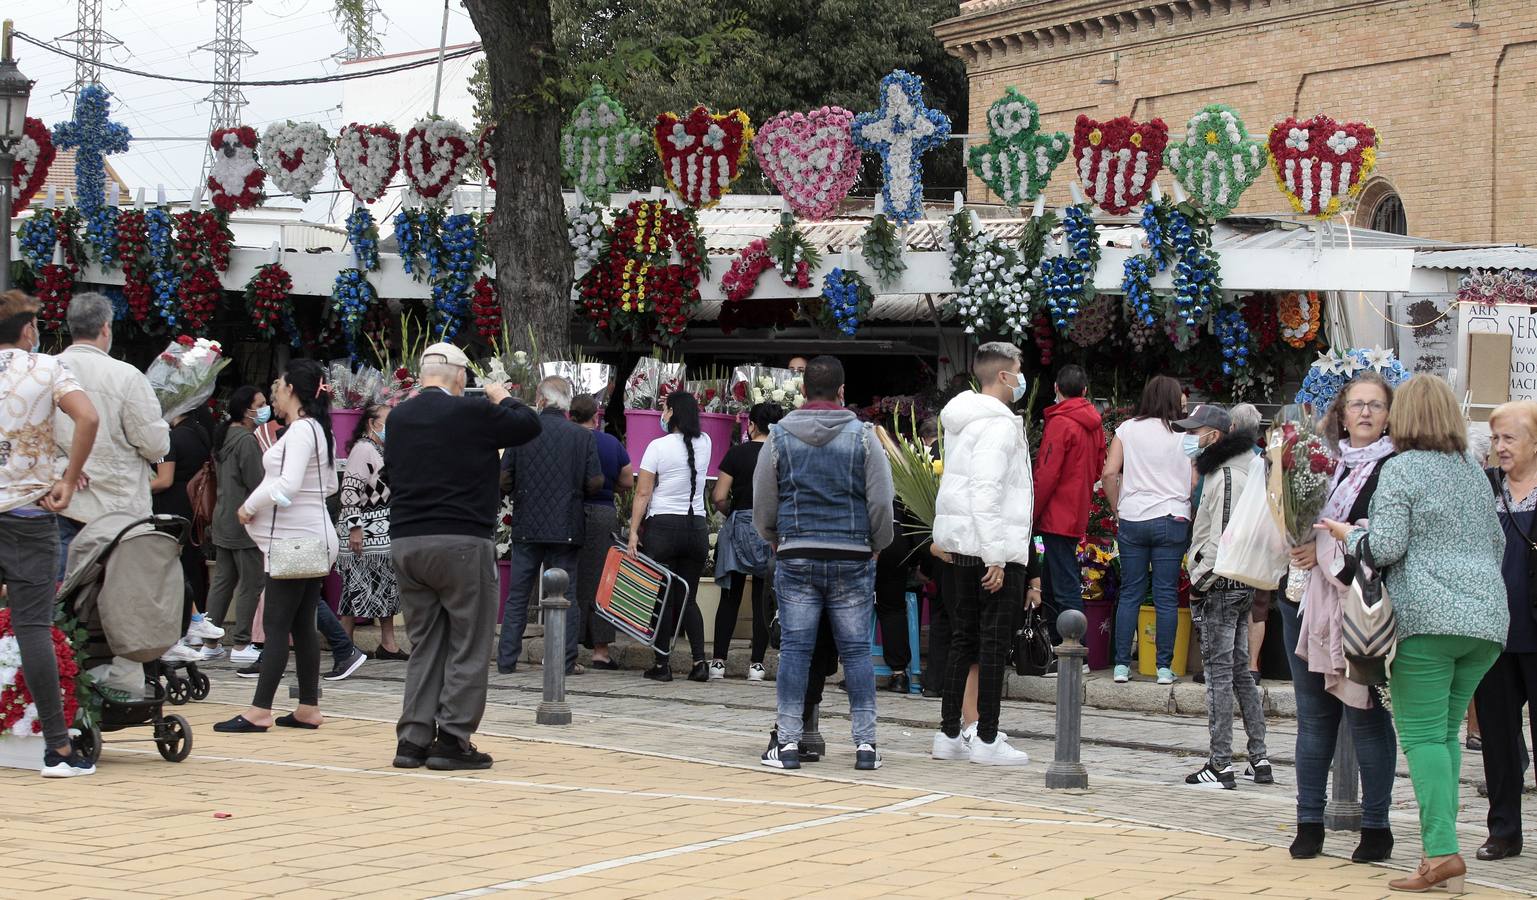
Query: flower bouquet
x=779, y=386
x=594, y=379
x=1099, y=566
x=915, y=475
x=504, y=529
x=183, y=375
x=18, y=712
x=651, y=382
x=1300, y=471
x=354, y=390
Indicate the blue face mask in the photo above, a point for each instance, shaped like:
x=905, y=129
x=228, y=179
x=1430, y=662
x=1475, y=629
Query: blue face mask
x=263, y=415
x=1020, y=388
x=380, y=432
x=1191, y=444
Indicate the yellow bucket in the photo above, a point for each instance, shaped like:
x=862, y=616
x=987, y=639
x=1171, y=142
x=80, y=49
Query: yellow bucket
x=1147, y=637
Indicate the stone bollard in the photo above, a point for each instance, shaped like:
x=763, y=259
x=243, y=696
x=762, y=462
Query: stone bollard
x=1067, y=771
x=553, y=709
x=811, y=731
x=1343, y=811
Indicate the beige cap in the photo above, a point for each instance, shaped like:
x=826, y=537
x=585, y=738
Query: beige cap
x=445, y=353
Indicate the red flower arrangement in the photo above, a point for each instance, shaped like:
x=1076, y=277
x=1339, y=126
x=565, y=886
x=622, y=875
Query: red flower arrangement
x=34, y=156
x=633, y=293
x=750, y=264
x=1118, y=160
x=1045, y=338
x=55, y=287
x=202, y=249
x=1320, y=163
x=486, y=148
x=485, y=310
x=132, y=247
x=1259, y=314
x=15, y=697
x=702, y=153
x=236, y=177
x=266, y=297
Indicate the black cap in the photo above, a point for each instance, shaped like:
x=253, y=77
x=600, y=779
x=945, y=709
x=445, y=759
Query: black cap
x=1205, y=414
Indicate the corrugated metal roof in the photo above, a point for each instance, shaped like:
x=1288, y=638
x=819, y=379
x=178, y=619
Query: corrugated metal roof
x=1479, y=258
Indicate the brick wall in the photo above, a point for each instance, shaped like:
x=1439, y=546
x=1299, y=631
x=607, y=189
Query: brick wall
x=1456, y=109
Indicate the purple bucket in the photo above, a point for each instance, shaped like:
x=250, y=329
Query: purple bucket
x=719, y=427
x=641, y=427
x=1098, y=637
x=344, y=424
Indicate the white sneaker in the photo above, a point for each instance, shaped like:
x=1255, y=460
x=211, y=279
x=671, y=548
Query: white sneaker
x=998, y=753
x=247, y=653
x=756, y=672
x=949, y=747
x=717, y=669
x=1165, y=676
x=209, y=654
x=181, y=653
x=970, y=731
x=1122, y=674
x=204, y=630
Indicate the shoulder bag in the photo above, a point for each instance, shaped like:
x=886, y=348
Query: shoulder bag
x=299, y=557
x=1370, y=625
x=203, y=493
x=1031, y=651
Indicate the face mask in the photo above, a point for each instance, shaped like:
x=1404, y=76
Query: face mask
x=37, y=339
x=1019, y=389
x=380, y=432
x=1191, y=444
x=263, y=415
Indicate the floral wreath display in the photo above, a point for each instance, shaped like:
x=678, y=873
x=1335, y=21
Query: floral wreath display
x=1118, y=160
x=436, y=159
x=295, y=156
x=363, y=234
x=635, y=293
x=452, y=261
x=486, y=311
x=1045, y=338
x=1217, y=161
x=416, y=231
x=1197, y=273
x=54, y=287
x=794, y=255
x=38, y=236
x=367, y=158
x=1094, y=321
x=585, y=231
x=1320, y=163
x=1067, y=282
x=1232, y=332
x=1491, y=286
x=164, y=278
x=1299, y=313
x=1333, y=370
x=599, y=146
x=93, y=137
x=1017, y=160
x=236, y=177
x=993, y=281
x=881, y=246
x=202, y=251
x=133, y=254
x=34, y=155
x=267, y=298
x=901, y=130
x=485, y=152
x=810, y=157
x=702, y=153
x=101, y=235
x=846, y=301
x=18, y=711
x=351, y=299
x=1259, y=313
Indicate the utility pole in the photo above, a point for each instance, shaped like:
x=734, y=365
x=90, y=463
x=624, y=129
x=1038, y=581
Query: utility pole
x=228, y=50
x=356, y=21
x=89, y=39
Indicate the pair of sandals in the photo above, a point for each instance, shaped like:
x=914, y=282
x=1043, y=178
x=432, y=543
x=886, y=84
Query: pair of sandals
x=242, y=725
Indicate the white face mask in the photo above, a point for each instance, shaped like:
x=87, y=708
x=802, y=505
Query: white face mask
x=1020, y=388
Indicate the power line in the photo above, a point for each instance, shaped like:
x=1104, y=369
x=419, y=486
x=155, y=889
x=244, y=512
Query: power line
x=292, y=82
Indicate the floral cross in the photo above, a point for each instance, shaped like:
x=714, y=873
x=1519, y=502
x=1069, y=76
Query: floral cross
x=92, y=136
x=901, y=130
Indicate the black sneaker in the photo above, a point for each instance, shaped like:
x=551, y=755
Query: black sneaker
x=254, y=670
x=409, y=755
x=662, y=672
x=782, y=756
x=346, y=667
x=867, y=758
x=899, y=683
x=805, y=754
x=449, y=755
x=700, y=672
x=1209, y=777
x=71, y=766
x=1259, y=772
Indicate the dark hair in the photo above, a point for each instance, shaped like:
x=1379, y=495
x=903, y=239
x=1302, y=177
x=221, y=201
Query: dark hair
x=235, y=408
x=1334, y=426
x=305, y=377
x=583, y=408
x=1163, y=399
x=824, y=376
x=765, y=414
x=369, y=411
x=17, y=311
x=1072, y=381
x=928, y=428
x=685, y=421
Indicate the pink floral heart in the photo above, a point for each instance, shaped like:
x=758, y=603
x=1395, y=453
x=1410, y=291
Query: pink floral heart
x=810, y=157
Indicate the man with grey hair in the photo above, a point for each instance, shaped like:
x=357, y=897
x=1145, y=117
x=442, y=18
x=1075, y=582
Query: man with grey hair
x=131, y=435
x=548, y=478
x=441, y=456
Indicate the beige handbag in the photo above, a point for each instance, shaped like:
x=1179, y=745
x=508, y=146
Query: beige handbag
x=299, y=557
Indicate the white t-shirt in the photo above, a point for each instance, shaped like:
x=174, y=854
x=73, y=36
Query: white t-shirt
x=1155, y=478
x=667, y=459
x=31, y=386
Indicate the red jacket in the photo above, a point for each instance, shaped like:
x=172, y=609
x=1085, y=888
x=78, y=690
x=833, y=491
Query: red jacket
x=1071, y=458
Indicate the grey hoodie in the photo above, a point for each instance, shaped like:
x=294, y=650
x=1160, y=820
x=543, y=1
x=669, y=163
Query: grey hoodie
x=817, y=427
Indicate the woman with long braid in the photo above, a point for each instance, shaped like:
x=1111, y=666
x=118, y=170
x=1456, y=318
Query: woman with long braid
x=670, y=505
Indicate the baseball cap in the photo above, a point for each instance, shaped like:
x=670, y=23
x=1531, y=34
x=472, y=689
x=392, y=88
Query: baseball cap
x=1207, y=415
x=445, y=353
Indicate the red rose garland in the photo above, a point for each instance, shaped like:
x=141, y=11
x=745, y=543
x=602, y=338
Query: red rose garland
x=55, y=287
x=202, y=247
x=1259, y=313
x=487, y=151
x=132, y=246
x=748, y=266
x=236, y=177
x=633, y=293
x=266, y=296
x=1045, y=340
x=485, y=310
x=15, y=697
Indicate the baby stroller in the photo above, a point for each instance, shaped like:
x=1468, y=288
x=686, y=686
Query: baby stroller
x=124, y=585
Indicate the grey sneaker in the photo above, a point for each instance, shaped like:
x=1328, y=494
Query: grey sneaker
x=345, y=668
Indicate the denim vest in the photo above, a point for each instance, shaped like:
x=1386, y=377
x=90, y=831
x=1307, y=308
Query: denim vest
x=822, y=489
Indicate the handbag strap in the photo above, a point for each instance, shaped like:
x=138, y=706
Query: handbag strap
x=1505, y=502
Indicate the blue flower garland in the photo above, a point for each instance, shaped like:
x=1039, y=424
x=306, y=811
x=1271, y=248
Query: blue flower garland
x=1068, y=281
x=363, y=233
x=158, y=234
x=1137, y=283
x=101, y=233
x=846, y=298
x=120, y=311
x=414, y=234
x=1233, y=335
x=351, y=298
x=37, y=237
x=165, y=281
x=1197, y=276
x=452, y=260
x=1153, y=228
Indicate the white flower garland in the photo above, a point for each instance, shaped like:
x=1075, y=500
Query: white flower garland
x=584, y=228
x=296, y=155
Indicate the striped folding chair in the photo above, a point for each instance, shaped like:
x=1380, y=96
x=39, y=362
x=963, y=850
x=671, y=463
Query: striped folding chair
x=634, y=594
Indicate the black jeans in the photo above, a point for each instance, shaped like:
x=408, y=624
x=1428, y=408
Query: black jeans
x=289, y=610
x=1502, y=697
x=681, y=544
x=891, y=576
x=941, y=624
x=731, y=604
x=984, y=623
x=29, y=553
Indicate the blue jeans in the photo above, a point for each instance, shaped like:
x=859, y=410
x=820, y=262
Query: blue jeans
x=342, y=647
x=68, y=528
x=1063, y=581
x=526, y=560
x=845, y=590
x=1318, y=725
x=1159, y=545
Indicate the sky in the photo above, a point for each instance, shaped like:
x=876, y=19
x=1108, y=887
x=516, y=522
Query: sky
x=292, y=39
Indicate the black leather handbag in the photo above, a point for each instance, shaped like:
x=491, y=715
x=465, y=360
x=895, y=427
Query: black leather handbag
x=1030, y=651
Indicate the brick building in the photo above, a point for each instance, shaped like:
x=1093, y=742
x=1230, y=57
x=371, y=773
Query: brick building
x=1450, y=85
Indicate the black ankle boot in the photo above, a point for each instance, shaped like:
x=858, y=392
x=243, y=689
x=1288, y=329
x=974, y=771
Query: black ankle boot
x=700, y=672
x=1376, y=845
x=1310, y=840
x=659, y=672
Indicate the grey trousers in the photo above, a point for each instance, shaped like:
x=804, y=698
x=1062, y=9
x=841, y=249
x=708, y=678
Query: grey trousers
x=29, y=554
x=448, y=593
x=237, y=576
x=1224, y=620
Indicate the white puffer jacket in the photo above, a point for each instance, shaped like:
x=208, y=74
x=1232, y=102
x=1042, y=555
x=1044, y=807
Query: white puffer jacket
x=985, y=500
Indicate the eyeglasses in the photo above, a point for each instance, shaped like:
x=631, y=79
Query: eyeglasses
x=1360, y=406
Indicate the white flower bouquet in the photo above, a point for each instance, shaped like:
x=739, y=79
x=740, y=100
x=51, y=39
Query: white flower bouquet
x=183, y=375
x=651, y=382
x=355, y=390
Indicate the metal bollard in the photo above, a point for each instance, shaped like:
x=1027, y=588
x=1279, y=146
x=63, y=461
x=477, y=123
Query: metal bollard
x=1067, y=771
x=553, y=709
x=1343, y=811
x=811, y=731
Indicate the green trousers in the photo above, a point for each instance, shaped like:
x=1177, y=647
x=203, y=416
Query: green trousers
x=1432, y=679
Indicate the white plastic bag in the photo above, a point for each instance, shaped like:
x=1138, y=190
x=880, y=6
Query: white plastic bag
x=1252, y=550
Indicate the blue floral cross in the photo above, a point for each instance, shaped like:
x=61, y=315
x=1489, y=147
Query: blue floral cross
x=92, y=135
x=901, y=130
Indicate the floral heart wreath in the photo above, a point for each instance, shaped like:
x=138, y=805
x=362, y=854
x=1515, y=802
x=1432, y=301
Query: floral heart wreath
x=901, y=130
x=599, y=146
x=436, y=157
x=1320, y=163
x=34, y=154
x=235, y=178
x=1333, y=371
x=1217, y=160
x=702, y=153
x=367, y=157
x=1017, y=160
x=810, y=157
x=296, y=155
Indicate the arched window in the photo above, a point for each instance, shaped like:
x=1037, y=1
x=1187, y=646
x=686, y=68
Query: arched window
x=1381, y=209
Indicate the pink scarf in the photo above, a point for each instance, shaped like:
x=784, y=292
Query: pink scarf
x=1321, y=643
